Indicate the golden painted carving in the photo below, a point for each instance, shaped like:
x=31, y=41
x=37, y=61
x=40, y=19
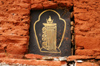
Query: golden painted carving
x=49, y=34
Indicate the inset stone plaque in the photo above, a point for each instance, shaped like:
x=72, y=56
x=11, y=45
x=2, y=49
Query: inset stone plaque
x=50, y=33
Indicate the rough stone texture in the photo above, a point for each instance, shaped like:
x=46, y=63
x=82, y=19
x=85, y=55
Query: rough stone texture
x=87, y=27
x=46, y=4
x=14, y=27
x=78, y=57
x=14, y=30
x=33, y=56
x=15, y=23
x=97, y=57
x=86, y=64
x=32, y=62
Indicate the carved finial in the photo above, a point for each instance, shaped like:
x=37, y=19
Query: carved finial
x=49, y=20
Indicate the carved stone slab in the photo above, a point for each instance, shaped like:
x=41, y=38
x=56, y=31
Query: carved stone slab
x=50, y=32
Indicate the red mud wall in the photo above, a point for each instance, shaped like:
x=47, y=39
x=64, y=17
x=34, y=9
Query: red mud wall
x=87, y=27
x=14, y=27
x=15, y=21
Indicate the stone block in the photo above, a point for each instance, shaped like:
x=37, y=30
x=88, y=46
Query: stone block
x=37, y=6
x=49, y=5
x=33, y=56
x=17, y=49
x=88, y=52
x=78, y=57
x=86, y=64
x=32, y=62
x=87, y=42
x=15, y=56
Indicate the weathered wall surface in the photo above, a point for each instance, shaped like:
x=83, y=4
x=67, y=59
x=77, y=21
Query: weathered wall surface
x=14, y=27
x=46, y=4
x=15, y=21
x=87, y=27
